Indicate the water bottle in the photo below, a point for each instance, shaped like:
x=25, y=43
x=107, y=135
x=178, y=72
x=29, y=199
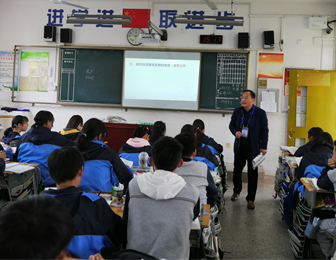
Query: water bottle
x=143, y=159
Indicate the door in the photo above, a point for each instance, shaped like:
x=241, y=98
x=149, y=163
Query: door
x=312, y=103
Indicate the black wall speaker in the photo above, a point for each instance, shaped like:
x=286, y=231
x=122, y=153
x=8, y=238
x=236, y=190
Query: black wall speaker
x=50, y=33
x=268, y=37
x=243, y=40
x=66, y=35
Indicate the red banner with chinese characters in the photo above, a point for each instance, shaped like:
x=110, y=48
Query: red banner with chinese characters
x=140, y=17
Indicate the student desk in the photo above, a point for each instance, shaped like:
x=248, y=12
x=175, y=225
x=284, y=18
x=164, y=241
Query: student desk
x=310, y=195
x=19, y=185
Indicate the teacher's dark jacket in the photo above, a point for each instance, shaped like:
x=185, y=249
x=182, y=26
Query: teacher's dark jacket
x=258, y=129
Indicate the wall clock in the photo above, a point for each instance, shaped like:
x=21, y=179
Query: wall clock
x=133, y=36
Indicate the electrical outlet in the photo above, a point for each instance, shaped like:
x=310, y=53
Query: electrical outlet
x=281, y=41
x=228, y=145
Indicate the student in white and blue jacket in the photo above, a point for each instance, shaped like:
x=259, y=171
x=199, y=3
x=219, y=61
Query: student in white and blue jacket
x=36, y=145
x=90, y=143
x=12, y=134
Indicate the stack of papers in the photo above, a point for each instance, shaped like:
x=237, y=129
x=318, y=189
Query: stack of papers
x=290, y=149
x=17, y=168
x=293, y=160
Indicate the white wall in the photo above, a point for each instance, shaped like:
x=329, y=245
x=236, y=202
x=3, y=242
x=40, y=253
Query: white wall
x=22, y=23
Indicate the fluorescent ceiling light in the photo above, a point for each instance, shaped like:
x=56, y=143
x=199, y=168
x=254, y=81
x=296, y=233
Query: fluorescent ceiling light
x=67, y=3
x=210, y=3
x=100, y=19
x=214, y=20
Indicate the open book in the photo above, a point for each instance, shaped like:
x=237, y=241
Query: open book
x=17, y=168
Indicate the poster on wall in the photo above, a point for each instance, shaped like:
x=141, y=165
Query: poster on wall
x=6, y=71
x=34, y=71
x=271, y=65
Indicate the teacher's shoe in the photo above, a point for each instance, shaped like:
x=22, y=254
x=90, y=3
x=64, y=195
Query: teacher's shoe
x=250, y=205
x=235, y=196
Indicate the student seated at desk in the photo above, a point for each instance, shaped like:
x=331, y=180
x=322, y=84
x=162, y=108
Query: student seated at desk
x=158, y=131
x=301, y=151
x=98, y=157
x=196, y=173
x=160, y=206
x=12, y=134
x=36, y=145
x=35, y=227
x=327, y=181
x=91, y=214
x=320, y=151
x=134, y=146
x=73, y=127
x=215, y=147
x=328, y=175
x=203, y=153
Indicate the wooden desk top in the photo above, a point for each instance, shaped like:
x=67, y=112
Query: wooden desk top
x=10, y=173
x=309, y=187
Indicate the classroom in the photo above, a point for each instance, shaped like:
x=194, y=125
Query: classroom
x=23, y=24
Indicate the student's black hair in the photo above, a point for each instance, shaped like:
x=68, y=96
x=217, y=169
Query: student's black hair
x=74, y=122
x=167, y=153
x=188, y=128
x=35, y=227
x=141, y=131
x=42, y=117
x=198, y=123
x=314, y=131
x=158, y=129
x=92, y=128
x=322, y=139
x=198, y=126
x=188, y=142
x=251, y=92
x=15, y=122
x=64, y=164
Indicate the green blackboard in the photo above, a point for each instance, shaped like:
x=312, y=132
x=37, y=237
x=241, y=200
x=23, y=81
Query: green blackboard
x=223, y=79
x=91, y=76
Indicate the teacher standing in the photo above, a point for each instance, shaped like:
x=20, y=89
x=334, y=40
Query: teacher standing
x=250, y=127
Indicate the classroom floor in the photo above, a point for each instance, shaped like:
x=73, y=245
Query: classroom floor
x=258, y=233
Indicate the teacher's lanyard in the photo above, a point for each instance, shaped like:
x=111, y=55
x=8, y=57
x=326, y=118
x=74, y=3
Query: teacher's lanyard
x=242, y=117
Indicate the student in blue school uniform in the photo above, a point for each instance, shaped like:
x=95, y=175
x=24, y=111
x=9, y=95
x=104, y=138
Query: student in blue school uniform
x=12, y=134
x=36, y=145
x=202, y=151
x=134, y=146
x=90, y=142
x=304, y=149
x=158, y=131
x=320, y=151
x=73, y=127
x=215, y=147
x=160, y=206
x=196, y=173
x=91, y=214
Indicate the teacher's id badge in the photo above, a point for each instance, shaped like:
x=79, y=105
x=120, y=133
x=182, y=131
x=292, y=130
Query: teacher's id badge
x=245, y=132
